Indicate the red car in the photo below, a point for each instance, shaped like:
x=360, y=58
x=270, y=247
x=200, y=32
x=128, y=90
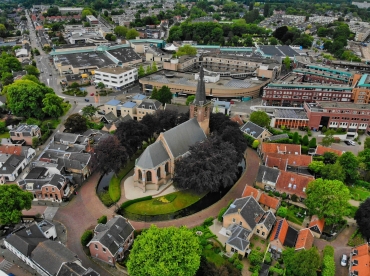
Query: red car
x=92, y=94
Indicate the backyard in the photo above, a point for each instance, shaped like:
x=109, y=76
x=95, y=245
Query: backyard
x=295, y=214
x=359, y=193
x=165, y=204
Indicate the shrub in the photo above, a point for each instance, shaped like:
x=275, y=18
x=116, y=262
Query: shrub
x=328, y=263
x=255, y=144
x=304, y=149
x=255, y=257
x=312, y=143
x=267, y=259
x=130, y=202
x=305, y=140
x=105, y=198
x=103, y=219
x=208, y=222
x=294, y=198
x=362, y=183
x=86, y=237
x=278, y=271
x=282, y=212
x=258, y=248
x=221, y=213
x=164, y=199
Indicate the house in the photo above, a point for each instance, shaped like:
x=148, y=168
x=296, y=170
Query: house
x=265, y=148
x=282, y=236
x=255, y=131
x=12, y=167
x=114, y=125
x=250, y=191
x=267, y=177
x=304, y=240
x=269, y=202
x=176, y=107
x=155, y=166
x=359, y=261
x=147, y=106
x=127, y=108
x=293, y=184
x=48, y=229
x=111, y=106
x=237, y=119
x=26, y=133
x=108, y=118
x=320, y=150
x=317, y=225
x=246, y=213
x=288, y=162
x=111, y=240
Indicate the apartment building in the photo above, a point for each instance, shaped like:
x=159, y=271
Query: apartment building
x=117, y=77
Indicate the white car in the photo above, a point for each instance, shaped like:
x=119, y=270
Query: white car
x=343, y=260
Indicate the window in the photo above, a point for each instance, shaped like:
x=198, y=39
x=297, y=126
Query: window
x=258, y=231
x=263, y=233
x=47, y=189
x=233, y=219
x=166, y=167
x=140, y=174
x=148, y=176
x=240, y=223
x=104, y=250
x=96, y=246
x=52, y=189
x=159, y=172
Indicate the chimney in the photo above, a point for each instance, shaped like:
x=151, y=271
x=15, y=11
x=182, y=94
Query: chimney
x=239, y=211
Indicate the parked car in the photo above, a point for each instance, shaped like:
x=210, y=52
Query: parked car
x=343, y=260
x=87, y=100
x=350, y=143
x=92, y=94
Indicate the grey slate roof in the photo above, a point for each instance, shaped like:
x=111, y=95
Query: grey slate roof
x=150, y=104
x=238, y=237
x=110, y=117
x=26, y=239
x=200, y=94
x=268, y=219
x=181, y=137
x=11, y=164
x=57, y=180
x=252, y=129
x=249, y=209
x=278, y=137
x=71, y=269
x=50, y=255
x=178, y=108
x=70, y=137
x=113, y=233
x=152, y=156
x=267, y=174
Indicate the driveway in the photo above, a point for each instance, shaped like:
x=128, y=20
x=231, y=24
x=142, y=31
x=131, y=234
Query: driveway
x=85, y=208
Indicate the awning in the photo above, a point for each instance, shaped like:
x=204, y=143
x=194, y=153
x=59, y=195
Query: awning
x=84, y=76
x=92, y=72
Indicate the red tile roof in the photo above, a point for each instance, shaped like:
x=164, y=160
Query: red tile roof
x=276, y=162
x=320, y=150
x=269, y=201
x=292, y=159
x=281, y=234
x=362, y=258
x=292, y=183
x=315, y=221
x=305, y=239
x=16, y=150
x=250, y=191
x=237, y=119
x=281, y=148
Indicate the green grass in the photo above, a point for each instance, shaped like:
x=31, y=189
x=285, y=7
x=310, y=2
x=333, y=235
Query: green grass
x=115, y=183
x=53, y=123
x=291, y=216
x=105, y=198
x=183, y=199
x=164, y=199
x=211, y=256
x=352, y=211
x=359, y=193
x=5, y=135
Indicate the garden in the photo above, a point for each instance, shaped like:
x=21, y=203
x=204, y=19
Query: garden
x=359, y=193
x=292, y=213
x=356, y=239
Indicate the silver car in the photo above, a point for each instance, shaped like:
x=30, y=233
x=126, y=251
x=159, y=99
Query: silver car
x=344, y=260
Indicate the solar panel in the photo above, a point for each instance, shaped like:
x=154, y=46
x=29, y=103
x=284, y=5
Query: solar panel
x=278, y=229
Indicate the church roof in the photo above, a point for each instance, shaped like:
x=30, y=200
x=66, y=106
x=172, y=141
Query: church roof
x=181, y=137
x=200, y=95
x=152, y=156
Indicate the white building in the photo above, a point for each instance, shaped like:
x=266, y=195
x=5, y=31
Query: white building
x=92, y=19
x=117, y=77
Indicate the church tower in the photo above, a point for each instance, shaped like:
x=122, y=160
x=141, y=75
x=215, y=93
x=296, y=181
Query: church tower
x=200, y=108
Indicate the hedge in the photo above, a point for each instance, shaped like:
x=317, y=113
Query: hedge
x=86, y=237
x=130, y=202
x=328, y=263
x=103, y=219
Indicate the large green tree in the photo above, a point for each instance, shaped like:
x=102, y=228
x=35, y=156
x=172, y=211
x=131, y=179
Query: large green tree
x=32, y=70
x=328, y=139
x=52, y=105
x=120, y=31
x=316, y=166
x=89, y=111
x=328, y=198
x=165, y=252
x=350, y=165
x=333, y=172
x=132, y=34
x=186, y=50
x=12, y=201
x=25, y=98
x=362, y=218
x=164, y=95
x=260, y=118
x=302, y=262
x=76, y=123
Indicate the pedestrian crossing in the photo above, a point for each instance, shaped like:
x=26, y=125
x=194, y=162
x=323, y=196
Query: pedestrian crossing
x=5, y=265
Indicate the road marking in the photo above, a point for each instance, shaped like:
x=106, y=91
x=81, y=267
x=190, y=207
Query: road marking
x=5, y=265
x=61, y=97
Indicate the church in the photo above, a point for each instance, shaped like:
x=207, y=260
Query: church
x=156, y=165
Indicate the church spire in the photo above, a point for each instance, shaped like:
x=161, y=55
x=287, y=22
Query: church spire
x=200, y=95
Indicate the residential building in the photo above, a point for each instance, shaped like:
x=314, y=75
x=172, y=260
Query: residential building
x=112, y=126
x=111, y=106
x=92, y=19
x=12, y=167
x=359, y=260
x=255, y=131
x=265, y=148
x=147, y=106
x=320, y=150
x=26, y=133
x=288, y=162
x=268, y=202
x=116, y=77
x=304, y=240
x=65, y=10
x=267, y=177
x=348, y=116
x=282, y=236
x=293, y=184
x=251, y=191
x=317, y=225
x=111, y=240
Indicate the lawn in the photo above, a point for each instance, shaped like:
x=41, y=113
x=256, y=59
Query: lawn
x=150, y=207
x=5, y=135
x=352, y=212
x=356, y=239
x=213, y=257
x=291, y=216
x=359, y=193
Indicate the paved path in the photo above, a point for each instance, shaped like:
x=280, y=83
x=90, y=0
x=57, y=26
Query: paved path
x=85, y=208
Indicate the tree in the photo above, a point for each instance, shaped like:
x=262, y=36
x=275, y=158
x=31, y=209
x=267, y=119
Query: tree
x=333, y=172
x=76, y=123
x=255, y=144
x=282, y=212
x=286, y=62
x=312, y=143
x=109, y=155
x=154, y=67
x=328, y=263
x=164, y=95
x=260, y=118
x=166, y=119
x=330, y=157
x=202, y=170
x=255, y=257
x=295, y=138
x=25, y=98
x=302, y=262
x=52, y=105
x=316, y=166
x=14, y=200
x=89, y=111
x=186, y=50
x=273, y=41
x=141, y=72
x=132, y=34
x=3, y=30
x=364, y=159
x=367, y=143
x=7, y=78
x=327, y=198
x=120, y=31
x=280, y=32
x=234, y=136
x=362, y=218
x=266, y=10
x=165, y=252
x=190, y=99
x=151, y=122
x=328, y=139
x=148, y=69
x=101, y=85
x=132, y=134
x=305, y=140
x=350, y=164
